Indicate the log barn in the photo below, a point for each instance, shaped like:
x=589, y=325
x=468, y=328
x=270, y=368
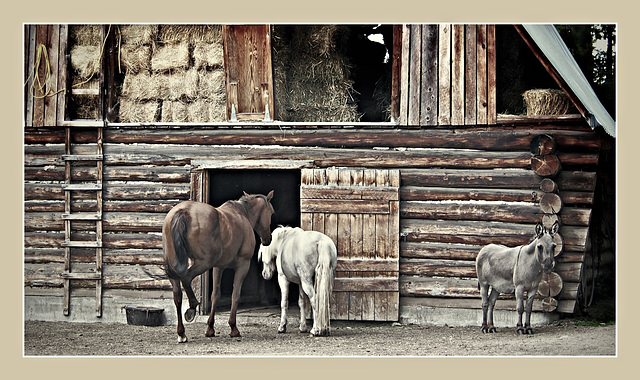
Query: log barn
x=400, y=142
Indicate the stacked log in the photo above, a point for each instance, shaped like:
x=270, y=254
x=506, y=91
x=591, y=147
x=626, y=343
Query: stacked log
x=545, y=163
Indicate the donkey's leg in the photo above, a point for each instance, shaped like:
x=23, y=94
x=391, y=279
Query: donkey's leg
x=484, y=292
x=493, y=296
x=520, y=307
x=216, y=278
x=527, y=323
x=238, y=279
x=284, y=302
x=177, y=300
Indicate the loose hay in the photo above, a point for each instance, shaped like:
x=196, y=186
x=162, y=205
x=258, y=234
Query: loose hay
x=546, y=102
x=85, y=34
x=85, y=60
x=136, y=35
x=193, y=34
x=311, y=74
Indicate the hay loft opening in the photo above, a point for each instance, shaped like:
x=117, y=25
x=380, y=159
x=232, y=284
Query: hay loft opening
x=228, y=184
x=332, y=73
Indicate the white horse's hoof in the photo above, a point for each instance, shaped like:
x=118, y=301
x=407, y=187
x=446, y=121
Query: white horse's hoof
x=182, y=339
x=282, y=330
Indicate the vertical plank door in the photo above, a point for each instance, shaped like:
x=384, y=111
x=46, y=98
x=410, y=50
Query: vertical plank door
x=359, y=210
x=247, y=62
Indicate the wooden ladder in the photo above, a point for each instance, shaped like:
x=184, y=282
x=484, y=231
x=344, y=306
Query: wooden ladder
x=80, y=155
x=71, y=216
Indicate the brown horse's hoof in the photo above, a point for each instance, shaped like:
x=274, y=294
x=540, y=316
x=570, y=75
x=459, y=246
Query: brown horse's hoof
x=235, y=334
x=190, y=315
x=182, y=339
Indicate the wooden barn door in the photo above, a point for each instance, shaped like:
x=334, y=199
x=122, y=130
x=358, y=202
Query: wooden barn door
x=359, y=210
x=247, y=62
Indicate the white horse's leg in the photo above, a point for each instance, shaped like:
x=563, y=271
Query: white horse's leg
x=303, y=311
x=307, y=286
x=284, y=302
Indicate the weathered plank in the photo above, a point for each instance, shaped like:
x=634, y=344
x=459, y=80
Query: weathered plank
x=457, y=74
x=415, y=79
x=444, y=74
x=481, y=74
x=429, y=76
x=470, y=74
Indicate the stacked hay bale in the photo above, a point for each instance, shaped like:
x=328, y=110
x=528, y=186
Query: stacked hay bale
x=173, y=73
x=546, y=102
x=311, y=74
x=85, y=43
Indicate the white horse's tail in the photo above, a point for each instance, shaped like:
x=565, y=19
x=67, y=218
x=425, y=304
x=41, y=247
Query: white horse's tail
x=325, y=272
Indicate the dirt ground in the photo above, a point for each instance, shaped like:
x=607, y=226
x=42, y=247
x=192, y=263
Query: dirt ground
x=352, y=339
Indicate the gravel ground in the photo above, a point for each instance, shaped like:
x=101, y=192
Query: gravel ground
x=352, y=339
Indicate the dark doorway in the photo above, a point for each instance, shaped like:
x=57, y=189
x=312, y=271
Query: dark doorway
x=229, y=184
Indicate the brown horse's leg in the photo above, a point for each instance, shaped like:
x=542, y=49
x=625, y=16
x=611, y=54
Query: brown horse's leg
x=177, y=300
x=238, y=279
x=216, y=278
x=190, y=314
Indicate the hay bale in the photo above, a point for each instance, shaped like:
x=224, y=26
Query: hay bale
x=182, y=84
x=546, y=102
x=211, y=84
x=132, y=111
x=139, y=87
x=85, y=60
x=190, y=34
x=137, y=35
x=136, y=58
x=208, y=55
x=85, y=35
x=205, y=110
x=174, y=111
x=170, y=57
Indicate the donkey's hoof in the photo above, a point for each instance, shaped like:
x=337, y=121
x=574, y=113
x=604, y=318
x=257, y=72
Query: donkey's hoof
x=190, y=315
x=520, y=331
x=530, y=331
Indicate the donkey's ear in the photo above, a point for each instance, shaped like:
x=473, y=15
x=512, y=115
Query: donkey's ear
x=245, y=193
x=270, y=195
x=539, y=230
x=554, y=228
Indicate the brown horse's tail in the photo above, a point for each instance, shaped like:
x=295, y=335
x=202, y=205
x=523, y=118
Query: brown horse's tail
x=177, y=266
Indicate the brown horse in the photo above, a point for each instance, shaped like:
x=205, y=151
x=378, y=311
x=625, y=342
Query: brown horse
x=215, y=238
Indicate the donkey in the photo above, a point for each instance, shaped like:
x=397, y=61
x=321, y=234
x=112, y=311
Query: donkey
x=518, y=269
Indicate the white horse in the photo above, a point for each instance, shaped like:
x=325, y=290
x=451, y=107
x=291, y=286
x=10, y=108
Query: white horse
x=307, y=258
x=519, y=270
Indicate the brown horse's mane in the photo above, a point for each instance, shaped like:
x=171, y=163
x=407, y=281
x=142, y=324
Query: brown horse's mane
x=243, y=202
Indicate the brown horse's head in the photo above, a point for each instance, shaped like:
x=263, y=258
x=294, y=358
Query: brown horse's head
x=262, y=210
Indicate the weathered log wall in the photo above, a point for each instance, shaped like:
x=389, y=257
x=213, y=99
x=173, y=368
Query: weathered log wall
x=460, y=189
